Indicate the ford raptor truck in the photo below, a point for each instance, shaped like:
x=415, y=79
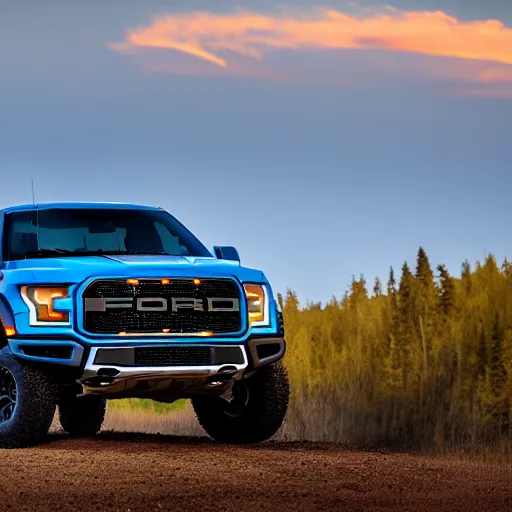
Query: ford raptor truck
x=104, y=301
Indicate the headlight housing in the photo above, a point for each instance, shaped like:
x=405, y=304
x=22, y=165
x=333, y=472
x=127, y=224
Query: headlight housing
x=257, y=304
x=41, y=304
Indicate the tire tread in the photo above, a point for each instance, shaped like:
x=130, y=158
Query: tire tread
x=269, y=391
x=36, y=401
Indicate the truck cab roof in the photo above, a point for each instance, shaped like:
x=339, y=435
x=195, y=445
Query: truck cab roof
x=84, y=205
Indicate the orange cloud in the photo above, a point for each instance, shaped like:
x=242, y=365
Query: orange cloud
x=496, y=75
x=207, y=36
x=463, y=70
x=500, y=94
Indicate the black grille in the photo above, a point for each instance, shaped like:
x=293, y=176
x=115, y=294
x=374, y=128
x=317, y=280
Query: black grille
x=173, y=356
x=186, y=321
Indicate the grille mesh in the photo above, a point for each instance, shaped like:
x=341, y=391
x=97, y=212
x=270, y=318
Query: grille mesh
x=173, y=356
x=184, y=321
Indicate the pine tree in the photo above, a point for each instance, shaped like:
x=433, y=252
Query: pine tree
x=393, y=366
x=377, y=287
x=495, y=367
x=423, y=271
x=405, y=287
x=466, y=276
x=292, y=301
x=466, y=269
x=405, y=320
x=447, y=293
x=506, y=268
x=291, y=313
x=481, y=355
x=497, y=402
x=490, y=263
x=391, y=283
x=425, y=306
x=358, y=291
x=426, y=285
x=393, y=327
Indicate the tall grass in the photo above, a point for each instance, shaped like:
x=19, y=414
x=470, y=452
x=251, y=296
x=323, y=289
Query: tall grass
x=143, y=405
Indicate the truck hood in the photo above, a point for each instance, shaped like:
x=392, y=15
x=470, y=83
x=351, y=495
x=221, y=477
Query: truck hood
x=70, y=269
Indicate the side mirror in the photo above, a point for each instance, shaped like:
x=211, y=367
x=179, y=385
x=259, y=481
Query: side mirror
x=226, y=253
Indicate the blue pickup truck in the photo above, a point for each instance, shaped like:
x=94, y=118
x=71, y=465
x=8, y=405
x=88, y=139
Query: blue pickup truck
x=104, y=301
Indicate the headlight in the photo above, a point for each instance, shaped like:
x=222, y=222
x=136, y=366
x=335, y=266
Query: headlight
x=41, y=303
x=257, y=304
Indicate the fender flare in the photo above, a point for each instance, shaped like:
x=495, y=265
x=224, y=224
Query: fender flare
x=6, y=319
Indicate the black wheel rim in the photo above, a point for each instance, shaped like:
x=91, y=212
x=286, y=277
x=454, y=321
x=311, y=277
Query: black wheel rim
x=238, y=404
x=8, y=395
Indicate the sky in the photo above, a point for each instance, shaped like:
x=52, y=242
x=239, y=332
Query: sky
x=322, y=139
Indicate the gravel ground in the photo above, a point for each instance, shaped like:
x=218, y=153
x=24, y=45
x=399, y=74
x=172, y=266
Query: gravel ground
x=123, y=471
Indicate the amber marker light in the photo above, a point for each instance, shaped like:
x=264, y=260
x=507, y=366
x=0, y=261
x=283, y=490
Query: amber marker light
x=134, y=282
x=10, y=331
x=197, y=281
x=205, y=334
x=122, y=333
x=166, y=331
x=165, y=281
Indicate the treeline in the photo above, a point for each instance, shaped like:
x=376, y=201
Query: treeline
x=425, y=362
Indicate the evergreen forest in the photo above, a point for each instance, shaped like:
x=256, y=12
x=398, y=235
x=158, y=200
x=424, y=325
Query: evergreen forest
x=421, y=360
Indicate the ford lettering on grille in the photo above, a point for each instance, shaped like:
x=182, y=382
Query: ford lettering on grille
x=161, y=304
x=179, y=306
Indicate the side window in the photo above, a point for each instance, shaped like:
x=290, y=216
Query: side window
x=171, y=244
x=22, y=235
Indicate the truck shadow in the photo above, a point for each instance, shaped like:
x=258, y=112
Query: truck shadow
x=137, y=441
x=56, y=440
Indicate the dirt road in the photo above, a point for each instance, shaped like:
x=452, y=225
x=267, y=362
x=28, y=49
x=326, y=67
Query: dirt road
x=150, y=472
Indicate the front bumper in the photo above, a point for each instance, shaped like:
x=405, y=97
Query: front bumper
x=109, y=366
x=115, y=370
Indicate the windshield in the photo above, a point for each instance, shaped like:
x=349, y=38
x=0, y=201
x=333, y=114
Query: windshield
x=89, y=231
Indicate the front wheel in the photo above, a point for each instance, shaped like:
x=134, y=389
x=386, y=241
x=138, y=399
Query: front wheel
x=27, y=402
x=256, y=412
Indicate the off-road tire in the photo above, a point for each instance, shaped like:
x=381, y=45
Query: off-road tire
x=259, y=419
x=82, y=415
x=35, y=399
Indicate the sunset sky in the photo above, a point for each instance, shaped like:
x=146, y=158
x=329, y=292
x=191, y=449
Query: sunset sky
x=322, y=139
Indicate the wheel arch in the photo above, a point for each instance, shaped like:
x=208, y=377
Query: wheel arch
x=6, y=320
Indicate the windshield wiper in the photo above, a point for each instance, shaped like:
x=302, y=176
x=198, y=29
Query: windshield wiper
x=141, y=253
x=48, y=252
x=101, y=252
